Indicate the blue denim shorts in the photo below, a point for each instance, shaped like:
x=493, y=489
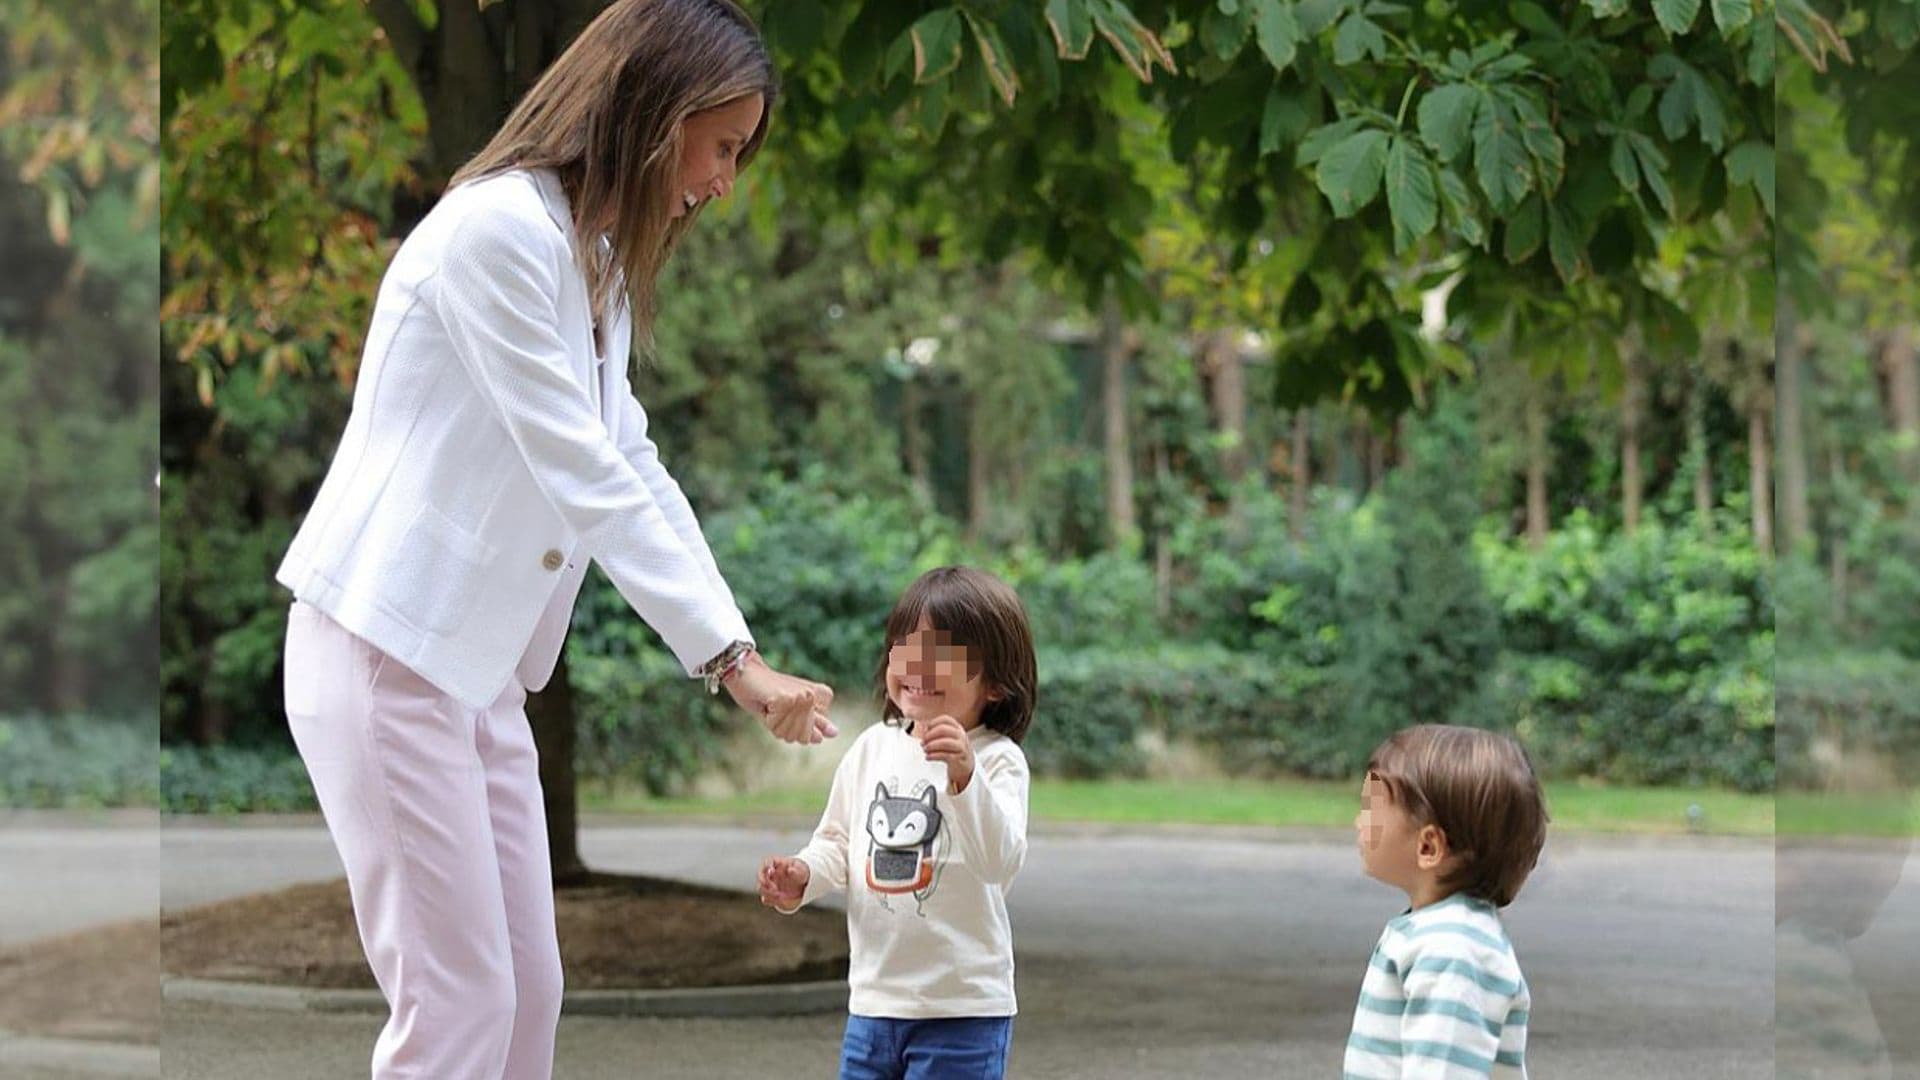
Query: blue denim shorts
x=957, y=1048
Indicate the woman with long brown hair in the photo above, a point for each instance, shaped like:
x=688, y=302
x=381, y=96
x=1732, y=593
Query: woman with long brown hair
x=493, y=449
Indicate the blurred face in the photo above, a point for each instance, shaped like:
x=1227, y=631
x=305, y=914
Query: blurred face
x=1388, y=840
x=710, y=145
x=929, y=675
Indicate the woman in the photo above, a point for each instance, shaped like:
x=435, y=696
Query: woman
x=493, y=449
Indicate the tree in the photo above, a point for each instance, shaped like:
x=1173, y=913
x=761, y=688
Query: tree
x=78, y=535
x=1528, y=151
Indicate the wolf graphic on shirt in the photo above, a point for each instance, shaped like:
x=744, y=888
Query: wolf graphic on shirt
x=902, y=830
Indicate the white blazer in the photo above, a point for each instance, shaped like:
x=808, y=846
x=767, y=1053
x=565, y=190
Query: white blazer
x=489, y=454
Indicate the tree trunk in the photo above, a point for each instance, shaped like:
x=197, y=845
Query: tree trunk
x=914, y=436
x=1903, y=396
x=1162, y=546
x=1759, y=476
x=1796, y=520
x=469, y=68
x=1838, y=575
x=979, y=504
x=1370, y=448
x=1701, y=453
x=1631, y=484
x=1302, y=467
x=1537, y=524
x=1119, y=452
x=67, y=673
x=472, y=65
x=1227, y=376
x=550, y=712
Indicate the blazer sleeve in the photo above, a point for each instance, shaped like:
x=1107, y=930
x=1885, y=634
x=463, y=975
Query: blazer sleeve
x=496, y=293
x=644, y=456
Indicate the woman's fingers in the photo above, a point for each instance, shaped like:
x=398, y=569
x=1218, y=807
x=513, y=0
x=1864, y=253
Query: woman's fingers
x=788, y=714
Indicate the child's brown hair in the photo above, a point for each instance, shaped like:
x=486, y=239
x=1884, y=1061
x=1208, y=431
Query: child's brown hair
x=1478, y=788
x=985, y=615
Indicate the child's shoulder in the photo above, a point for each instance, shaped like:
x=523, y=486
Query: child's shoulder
x=875, y=738
x=988, y=741
x=1460, y=925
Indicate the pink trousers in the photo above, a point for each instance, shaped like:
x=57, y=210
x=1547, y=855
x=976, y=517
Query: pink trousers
x=436, y=810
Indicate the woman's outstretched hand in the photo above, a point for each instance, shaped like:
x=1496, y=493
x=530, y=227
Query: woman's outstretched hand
x=792, y=708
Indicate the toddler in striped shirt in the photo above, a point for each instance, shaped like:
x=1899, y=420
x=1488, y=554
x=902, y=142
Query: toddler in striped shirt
x=1455, y=818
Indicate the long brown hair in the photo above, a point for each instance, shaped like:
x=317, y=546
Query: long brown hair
x=607, y=118
x=985, y=615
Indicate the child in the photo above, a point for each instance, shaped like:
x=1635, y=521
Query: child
x=925, y=828
x=1453, y=816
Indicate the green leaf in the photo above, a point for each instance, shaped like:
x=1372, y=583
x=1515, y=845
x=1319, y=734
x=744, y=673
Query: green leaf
x=1229, y=7
x=1760, y=60
x=1072, y=28
x=1549, y=153
x=1676, y=16
x=1324, y=138
x=1316, y=15
x=1731, y=15
x=1524, y=231
x=1302, y=301
x=1461, y=208
x=1689, y=101
x=1607, y=9
x=995, y=59
x=1446, y=118
x=1752, y=163
x=1283, y=121
x=1411, y=198
x=933, y=107
x=1653, y=166
x=1349, y=175
x=1507, y=66
x=1564, y=244
x=1535, y=21
x=1620, y=159
x=1359, y=37
x=936, y=45
x=1137, y=45
x=1900, y=23
x=1499, y=154
x=796, y=28
x=1225, y=33
x=898, y=56
x=1278, y=32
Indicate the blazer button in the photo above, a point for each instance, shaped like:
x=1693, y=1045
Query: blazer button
x=552, y=559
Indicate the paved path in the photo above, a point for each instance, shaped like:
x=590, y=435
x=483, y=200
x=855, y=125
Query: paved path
x=1166, y=954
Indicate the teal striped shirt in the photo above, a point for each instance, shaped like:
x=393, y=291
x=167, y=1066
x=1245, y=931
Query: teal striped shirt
x=1443, y=999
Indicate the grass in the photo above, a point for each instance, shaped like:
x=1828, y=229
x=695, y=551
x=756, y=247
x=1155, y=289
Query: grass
x=1804, y=814
x=1574, y=805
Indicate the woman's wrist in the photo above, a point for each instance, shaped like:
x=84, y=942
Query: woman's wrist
x=721, y=668
x=749, y=660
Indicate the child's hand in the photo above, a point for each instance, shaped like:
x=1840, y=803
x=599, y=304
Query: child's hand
x=943, y=739
x=783, y=882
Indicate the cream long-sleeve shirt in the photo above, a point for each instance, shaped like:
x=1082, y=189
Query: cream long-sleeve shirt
x=926, y=874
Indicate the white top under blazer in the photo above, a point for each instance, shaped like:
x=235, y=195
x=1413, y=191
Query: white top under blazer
x=489, y=454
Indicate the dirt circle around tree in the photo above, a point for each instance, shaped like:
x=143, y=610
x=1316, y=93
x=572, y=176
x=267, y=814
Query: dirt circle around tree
x=616, y=932
x=96, y=985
